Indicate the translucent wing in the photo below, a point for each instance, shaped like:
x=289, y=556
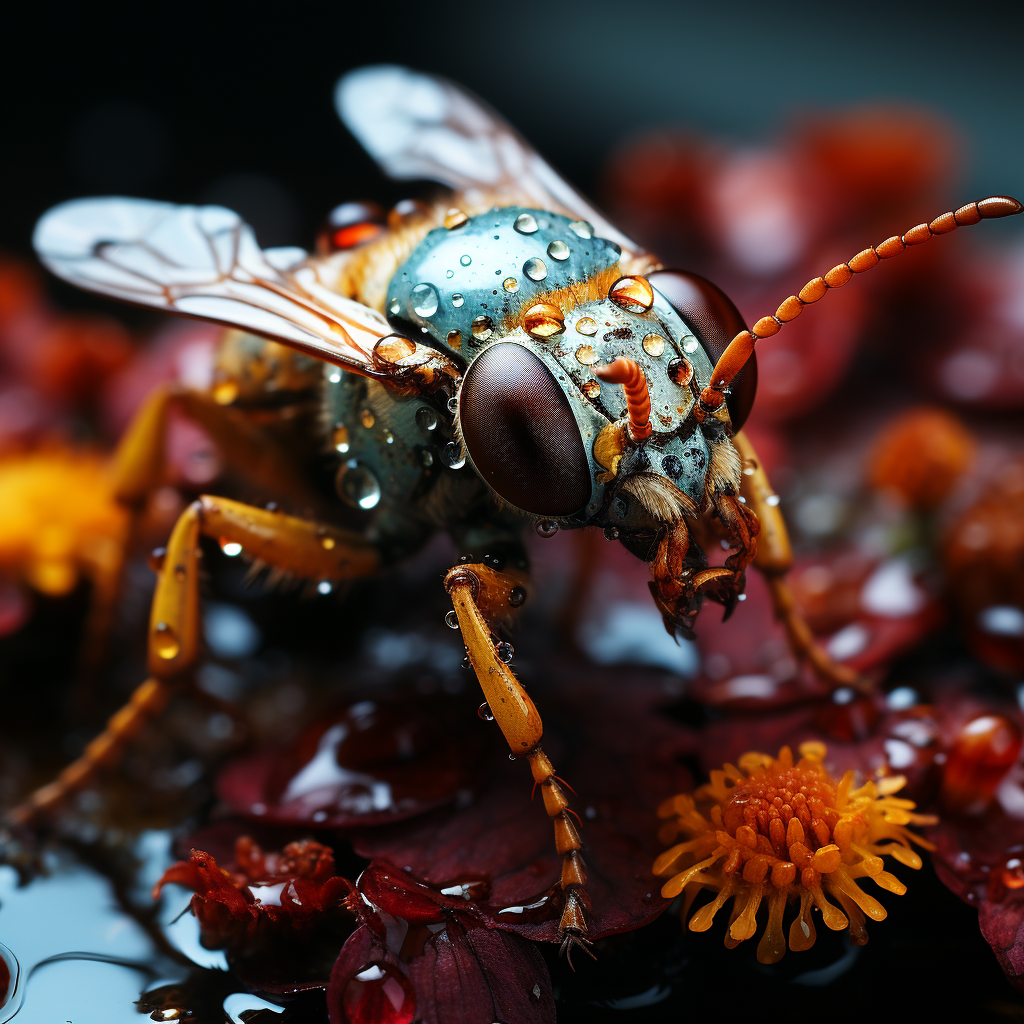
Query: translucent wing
x=203, y=261
x=418, y=126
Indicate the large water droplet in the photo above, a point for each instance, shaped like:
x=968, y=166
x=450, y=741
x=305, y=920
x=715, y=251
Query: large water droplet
x=482, y=327
x=525, y=224
x=586, y=325
x=454, y=219
x=394, y=307
x=424, y=300
x=545, y=528
x=340, y=438
x=505, y=652
x=466, y=260
x=558, y=250
x=455, y=340
x=484, y=711
x=592, y=389
x=458, y=299
x=634, y=294
x=510, y=284
x=451, y=620
x=357, y=485
x=680, y=371
x=654, y=345
x=165, y=642
x=586, y=355
x=379, y=994
x=516, y=596
x=453, y=455
x=691, y=345
x=543, y=320
x=535, y=269
x=582, y=228
x=426, y=418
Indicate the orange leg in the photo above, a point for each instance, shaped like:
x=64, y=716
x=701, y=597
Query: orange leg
x=775, y=558
x=482, y=596
x=291, y=545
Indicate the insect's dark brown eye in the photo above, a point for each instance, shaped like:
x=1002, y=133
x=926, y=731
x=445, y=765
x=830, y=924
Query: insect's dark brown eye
x=521, y=434
x=349, y=225
x=713, y=318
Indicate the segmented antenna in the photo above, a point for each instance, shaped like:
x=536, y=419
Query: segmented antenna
x=741, y=347
x=628, y=373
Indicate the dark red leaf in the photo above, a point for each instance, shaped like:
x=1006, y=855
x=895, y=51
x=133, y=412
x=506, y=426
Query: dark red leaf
x=371, y=762
x=606, y=737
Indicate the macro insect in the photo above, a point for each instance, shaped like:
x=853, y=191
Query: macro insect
x=498, y=359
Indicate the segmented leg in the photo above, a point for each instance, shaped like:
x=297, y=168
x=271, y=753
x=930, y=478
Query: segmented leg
x=297, y=546
x=774, y=559
x=481, y=596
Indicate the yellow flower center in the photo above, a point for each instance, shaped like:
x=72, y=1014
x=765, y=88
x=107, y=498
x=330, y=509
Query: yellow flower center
x=783, y=832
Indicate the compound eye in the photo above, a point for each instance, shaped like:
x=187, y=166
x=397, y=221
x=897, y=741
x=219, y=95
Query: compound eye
x=521, y=433
x=713, y=318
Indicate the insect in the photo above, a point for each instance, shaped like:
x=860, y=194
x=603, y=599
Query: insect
x=501, y=359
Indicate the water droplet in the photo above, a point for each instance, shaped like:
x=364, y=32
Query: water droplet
x=516, y=596
x=225, y=392
x=455, y=340
x=505, y=652
x=543, y=321
x=482, y=327
x=582, y=228
x=466, y=260
x=485, y=712
x=691, y=345
x=165, y=642
x=634, y=294
x=424, y=300
x=451, y=620
x=545, y=528
x=525, y=224
x=586, y=355
x=379, y=994
x=324, y=587
x=453, y=405
x=426, y=418
x=366, y=418
x=453, y=456
x=454, y=219
x=327, y=543
x=654, y=345
x=231, y=548
x=458, y=299
x=510, y=284
x=394, y=347
x=535, y=269
x=340, y=438
x=394, y=307
x=749, y=467
x=592, y=389
x=466, y=663
x=586, y=325
x=558, y=250
x=356, y=485
x=611, y=533
x=680, y=371
x=389, y=438
x=426, y=457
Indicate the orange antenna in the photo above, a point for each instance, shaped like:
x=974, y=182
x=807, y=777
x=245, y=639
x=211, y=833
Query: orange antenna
x=627, y=372
x=741, y=347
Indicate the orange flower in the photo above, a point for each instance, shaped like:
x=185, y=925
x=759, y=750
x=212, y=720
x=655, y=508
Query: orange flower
x=784, y=833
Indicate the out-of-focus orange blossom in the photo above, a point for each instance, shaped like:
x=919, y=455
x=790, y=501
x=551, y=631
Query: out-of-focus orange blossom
x=919, y=457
